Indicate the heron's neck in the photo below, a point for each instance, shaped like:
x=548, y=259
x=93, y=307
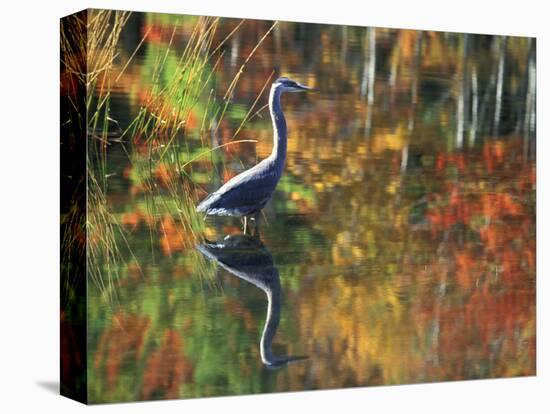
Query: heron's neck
x=279, y=126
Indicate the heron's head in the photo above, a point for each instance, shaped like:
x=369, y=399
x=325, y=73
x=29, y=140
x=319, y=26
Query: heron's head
x=288, y=85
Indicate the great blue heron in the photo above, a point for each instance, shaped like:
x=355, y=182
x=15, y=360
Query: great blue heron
x=247, y=258
x=247, y=193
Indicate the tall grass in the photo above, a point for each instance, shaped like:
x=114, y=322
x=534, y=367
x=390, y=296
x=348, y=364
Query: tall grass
x=163, y=123
x=88, y=46
x=104, y=257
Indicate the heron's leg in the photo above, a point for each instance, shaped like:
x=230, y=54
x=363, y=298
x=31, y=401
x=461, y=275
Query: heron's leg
x=257, y=224
x=244, y=224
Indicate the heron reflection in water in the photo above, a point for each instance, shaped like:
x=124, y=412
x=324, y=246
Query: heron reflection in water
x=247, y=194
x=249, y=259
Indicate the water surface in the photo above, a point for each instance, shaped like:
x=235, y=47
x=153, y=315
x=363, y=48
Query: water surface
x=402, y=234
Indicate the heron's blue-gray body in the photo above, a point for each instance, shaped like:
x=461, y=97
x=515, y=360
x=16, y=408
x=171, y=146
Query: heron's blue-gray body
x=249, y=192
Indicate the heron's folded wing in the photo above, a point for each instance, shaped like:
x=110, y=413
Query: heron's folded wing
x=247, y=193
x=251, y=188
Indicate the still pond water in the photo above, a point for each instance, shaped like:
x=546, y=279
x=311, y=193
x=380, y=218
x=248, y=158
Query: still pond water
x=398, y=248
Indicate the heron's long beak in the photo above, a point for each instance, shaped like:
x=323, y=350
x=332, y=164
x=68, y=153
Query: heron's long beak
x=304, y=88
